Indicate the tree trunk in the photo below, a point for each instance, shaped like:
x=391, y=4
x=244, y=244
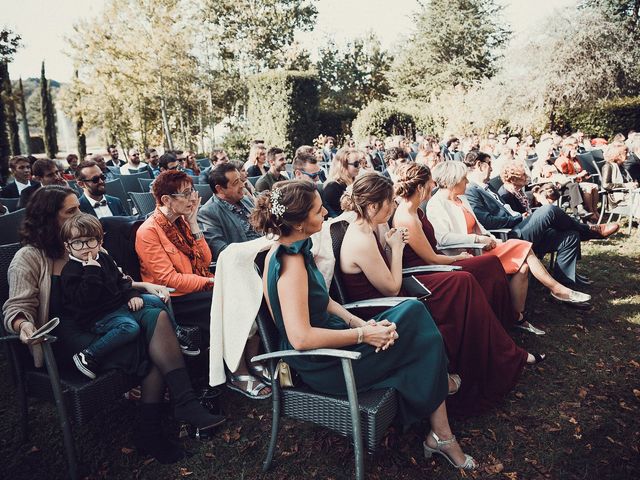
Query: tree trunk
x=81, y=137
x=24, y=124
x=165, y=124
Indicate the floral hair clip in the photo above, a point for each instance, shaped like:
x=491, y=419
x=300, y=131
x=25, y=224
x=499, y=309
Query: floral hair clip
x=277, y=208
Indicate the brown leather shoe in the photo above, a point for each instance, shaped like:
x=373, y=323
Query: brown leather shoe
x=604, y=230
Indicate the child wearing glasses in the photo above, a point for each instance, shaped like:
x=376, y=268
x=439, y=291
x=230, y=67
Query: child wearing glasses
x=98, y=296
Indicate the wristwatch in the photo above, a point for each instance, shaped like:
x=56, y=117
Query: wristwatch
x=198, y=235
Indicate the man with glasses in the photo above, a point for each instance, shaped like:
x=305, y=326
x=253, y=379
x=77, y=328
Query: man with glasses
x=168, y=161
x=224, y=219
x=134, y=164
x=305, y=167
x=277, y=163
x=93, y=200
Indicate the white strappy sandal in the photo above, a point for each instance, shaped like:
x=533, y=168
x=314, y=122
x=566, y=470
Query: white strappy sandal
x=468, y=464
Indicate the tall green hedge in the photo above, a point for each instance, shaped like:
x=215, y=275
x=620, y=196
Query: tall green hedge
x=335, y=123
x=283, y=108
x=382, y=119
x=607, y=118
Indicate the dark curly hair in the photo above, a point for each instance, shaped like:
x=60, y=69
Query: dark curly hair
x=40, y=227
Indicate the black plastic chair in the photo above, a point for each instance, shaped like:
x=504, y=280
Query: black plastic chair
x=145, y=203
x=77, y=398
x=204, y=190
x=145, y=184
x=10, y=203
x=130, y=182
x=10, y=225
x=115, y=189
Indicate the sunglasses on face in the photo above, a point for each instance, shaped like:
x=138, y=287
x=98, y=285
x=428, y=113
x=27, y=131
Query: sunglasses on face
x=355, y=164
x=311, y=175
x=80, y=244
x=96, y=179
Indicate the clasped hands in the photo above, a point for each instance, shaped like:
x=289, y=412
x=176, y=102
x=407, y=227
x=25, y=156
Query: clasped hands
x=381, y=334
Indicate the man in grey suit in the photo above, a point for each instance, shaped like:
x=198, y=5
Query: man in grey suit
x=225, y=217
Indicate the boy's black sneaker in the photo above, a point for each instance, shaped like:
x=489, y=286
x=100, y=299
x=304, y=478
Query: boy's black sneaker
x=86, y=363
x=187, y=345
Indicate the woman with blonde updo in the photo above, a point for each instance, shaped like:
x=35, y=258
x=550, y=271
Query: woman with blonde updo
x=345, y=167
x=401, y=347
x=477, y=346
x=413, y=187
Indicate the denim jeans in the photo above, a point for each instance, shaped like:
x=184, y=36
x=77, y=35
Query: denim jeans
x=117, y=328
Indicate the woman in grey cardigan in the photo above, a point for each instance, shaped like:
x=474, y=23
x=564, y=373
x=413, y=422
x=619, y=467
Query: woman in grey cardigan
x=34, y=297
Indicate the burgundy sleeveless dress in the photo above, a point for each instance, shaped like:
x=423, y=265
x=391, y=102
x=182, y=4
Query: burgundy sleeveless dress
x=479, y=349
x=487, y=270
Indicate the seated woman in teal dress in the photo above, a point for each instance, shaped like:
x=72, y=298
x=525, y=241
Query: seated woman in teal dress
x=401, y=347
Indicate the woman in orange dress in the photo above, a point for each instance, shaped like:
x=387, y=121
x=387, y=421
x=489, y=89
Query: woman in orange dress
x=455, y=224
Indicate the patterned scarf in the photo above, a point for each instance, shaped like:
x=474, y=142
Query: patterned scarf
x=179, y=234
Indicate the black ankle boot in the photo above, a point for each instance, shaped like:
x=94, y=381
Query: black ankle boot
x=149, y=438
x=185, y=402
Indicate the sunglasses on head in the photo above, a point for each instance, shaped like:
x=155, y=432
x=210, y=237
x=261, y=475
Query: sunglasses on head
x=96, y=179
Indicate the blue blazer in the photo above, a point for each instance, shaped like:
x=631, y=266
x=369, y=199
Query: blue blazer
x=114, y=204
x=491, y=212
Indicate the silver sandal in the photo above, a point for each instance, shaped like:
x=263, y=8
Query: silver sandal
x=250, y=392
x=469, y=462
x=261, y=372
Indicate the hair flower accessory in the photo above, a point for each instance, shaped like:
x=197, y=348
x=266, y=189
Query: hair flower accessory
x=277, y=208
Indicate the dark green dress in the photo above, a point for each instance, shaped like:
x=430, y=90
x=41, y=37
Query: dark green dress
x=416, y=365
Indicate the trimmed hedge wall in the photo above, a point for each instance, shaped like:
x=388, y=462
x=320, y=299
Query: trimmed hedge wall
x=283, y=108
x=382, y=119
x=335, y=123
x=607, y=118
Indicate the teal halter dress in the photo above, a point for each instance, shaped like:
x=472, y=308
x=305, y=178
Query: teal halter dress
x=416, y=365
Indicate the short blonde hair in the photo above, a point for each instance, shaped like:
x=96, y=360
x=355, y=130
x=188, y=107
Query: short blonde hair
x=450, y=173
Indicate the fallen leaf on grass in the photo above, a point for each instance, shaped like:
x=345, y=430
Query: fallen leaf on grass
x=413, y=461
x=582, y=392
x=184, y=472
x=126, y=451
x=494, y=469
x=636, y=392
x=634, y=363
x=148, y=461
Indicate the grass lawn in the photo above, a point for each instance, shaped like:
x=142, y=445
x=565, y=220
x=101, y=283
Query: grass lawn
x=576, y=416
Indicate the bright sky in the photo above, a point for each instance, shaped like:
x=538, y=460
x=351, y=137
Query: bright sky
x=43, y=25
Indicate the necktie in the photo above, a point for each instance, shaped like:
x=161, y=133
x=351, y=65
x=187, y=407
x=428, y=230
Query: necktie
x=101, y=203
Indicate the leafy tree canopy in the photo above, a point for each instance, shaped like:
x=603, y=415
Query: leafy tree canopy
x=455, y=42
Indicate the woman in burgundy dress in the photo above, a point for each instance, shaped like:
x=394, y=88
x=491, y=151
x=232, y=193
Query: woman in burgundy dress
x=413, y=186
x=478, y=347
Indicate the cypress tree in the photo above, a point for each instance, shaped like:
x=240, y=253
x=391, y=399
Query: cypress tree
x=5, y=150
x=10, y=112
x=48, y=120
x=24, y=124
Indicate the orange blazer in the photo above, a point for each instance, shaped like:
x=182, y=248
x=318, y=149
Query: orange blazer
x=163, y=264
